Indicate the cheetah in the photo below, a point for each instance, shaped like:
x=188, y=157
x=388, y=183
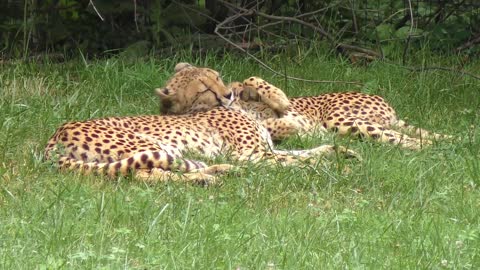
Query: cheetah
x=347, y=113
x=152, y=147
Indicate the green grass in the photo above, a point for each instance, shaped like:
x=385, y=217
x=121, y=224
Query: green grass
x=396, y=209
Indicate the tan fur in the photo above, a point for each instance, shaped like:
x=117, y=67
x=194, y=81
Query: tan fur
x=346, y=113
x=201, y=89
x=152, y=146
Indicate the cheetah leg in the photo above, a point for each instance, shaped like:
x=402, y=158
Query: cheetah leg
x=281, y=128
x=288, y=126
x=288, y=159
x=294, y=157
x=402, y=126
x=197, y=174
x=321, y=151
x=273, y=158
x=158, y=175
x=257, y=89
x=362, y=127
x=216, y=169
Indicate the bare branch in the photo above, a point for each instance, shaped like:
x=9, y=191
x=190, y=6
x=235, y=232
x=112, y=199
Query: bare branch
x=468, y=44
x=407, y=44
x=317, y=28
x=95, y=8
x=264, y=65
x=281, y=18
x=135, y=14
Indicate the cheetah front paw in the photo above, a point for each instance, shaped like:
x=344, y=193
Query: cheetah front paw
x=333, y=150
x=158, y=175
x=415, y=144
x=347, y=153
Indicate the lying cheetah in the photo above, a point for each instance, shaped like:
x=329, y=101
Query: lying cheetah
x=352, y=113
x=152, y=146
x=346, y=113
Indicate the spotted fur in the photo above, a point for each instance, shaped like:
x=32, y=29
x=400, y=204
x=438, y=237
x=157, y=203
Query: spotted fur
x=347, y=113
x=153, y=146
x=354, y=113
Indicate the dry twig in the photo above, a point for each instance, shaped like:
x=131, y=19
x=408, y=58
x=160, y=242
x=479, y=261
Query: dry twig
x=95, y=8
x=240, y=12
x=135, y=14
x=472, y=42
x=407, y=43
x=248, y=12
x=271, y=69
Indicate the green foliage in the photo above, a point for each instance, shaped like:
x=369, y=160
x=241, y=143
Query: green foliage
x=68, y=27
x=72, y=25
x=384, y=31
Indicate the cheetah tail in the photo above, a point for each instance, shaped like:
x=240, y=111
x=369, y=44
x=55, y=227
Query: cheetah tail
x=139, y=161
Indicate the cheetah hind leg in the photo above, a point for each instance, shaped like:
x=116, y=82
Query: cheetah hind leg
x=402, y=126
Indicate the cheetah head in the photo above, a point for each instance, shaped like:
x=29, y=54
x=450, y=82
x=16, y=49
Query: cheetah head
x=193, y=89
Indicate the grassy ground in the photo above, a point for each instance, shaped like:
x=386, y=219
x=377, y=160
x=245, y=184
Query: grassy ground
x=397, y=209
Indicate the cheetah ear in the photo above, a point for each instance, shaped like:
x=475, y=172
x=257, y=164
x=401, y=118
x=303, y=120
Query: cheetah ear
x=182, y=65
x=163, y=92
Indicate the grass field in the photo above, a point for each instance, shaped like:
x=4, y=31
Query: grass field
x=396, y=209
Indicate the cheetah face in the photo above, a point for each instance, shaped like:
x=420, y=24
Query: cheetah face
x=193, y=89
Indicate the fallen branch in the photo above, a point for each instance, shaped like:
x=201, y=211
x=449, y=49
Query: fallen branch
x=475, y=40
x=407, y=43
x=359, y=49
